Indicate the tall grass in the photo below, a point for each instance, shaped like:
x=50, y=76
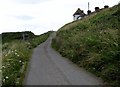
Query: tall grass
x=15, y=58
x=93, y=43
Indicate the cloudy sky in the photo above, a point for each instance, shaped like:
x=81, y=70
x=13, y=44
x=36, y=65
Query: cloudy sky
x=40, y=16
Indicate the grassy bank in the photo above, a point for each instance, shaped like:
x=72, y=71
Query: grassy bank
x=94, y=43
x=15, y=57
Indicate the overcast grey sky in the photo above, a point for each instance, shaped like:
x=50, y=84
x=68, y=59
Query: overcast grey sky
x=40, y=16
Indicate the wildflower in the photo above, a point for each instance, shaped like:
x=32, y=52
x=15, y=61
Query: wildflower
x=20, y=61
x=3, y=66
x=18, y=55
x=0, y=70
x=17, y=82
x=12, y=51
x=15, y=50
x=15, y=53
x=3, y=80
x=6, y=77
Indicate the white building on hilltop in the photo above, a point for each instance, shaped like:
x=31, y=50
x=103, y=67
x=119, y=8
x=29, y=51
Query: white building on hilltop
x=78, y=14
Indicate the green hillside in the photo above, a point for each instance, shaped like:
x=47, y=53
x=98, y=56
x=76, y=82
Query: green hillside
x=94, y=43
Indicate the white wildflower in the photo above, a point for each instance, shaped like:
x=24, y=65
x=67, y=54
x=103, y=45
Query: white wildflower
x=17, y=82
x=3, y=66
x=15, y=50
x=15, y=53
x=3, y=80
x=6, y=77
x=20, y=61
x=18, y=55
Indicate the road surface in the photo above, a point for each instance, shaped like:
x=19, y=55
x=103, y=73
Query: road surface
x=47, y=67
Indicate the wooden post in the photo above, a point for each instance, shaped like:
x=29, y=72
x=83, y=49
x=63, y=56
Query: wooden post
x=23, y=35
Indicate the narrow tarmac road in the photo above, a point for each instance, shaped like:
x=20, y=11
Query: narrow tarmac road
x=47, y=67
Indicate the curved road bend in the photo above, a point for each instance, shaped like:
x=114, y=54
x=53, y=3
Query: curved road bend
x=47, y=67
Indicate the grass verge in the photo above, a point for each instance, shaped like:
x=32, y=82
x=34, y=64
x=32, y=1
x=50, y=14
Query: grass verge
x=15, y=58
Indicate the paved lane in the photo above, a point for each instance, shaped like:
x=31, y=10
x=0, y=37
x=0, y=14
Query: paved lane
x=47, y=67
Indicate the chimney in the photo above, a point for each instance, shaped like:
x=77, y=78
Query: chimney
x=106, y=6
x=82, y=11
x=89, y=12
x=97, y=9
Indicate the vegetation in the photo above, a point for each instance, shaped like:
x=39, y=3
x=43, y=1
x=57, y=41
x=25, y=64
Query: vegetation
x=94, y=43
x=15, y=57
x=10, y=36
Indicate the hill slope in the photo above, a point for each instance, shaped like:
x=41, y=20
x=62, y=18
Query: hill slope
x=93, y=42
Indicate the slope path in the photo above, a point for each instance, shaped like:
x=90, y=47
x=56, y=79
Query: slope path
x=47, y=67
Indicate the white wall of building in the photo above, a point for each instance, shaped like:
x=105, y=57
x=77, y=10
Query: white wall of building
x=76, y=17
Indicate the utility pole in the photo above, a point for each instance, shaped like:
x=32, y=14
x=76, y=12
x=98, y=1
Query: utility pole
x=88, y=6
x=89, y=11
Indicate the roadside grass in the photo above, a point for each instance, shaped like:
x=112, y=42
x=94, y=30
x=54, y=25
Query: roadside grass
x=94, y=43
x=15, y=58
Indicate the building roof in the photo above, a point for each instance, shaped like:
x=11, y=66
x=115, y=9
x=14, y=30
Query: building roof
x=79, y=12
